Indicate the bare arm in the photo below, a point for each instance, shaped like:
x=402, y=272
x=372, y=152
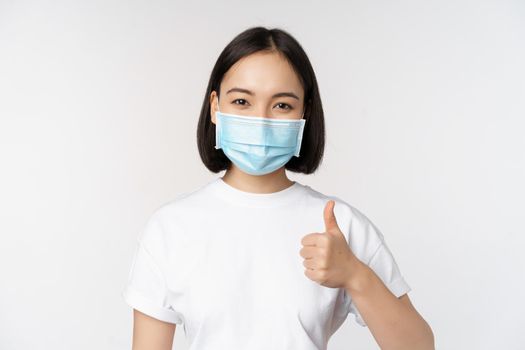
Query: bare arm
x=394, y=322
x=150, y=333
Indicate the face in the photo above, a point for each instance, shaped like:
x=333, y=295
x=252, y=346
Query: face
x=262, y=84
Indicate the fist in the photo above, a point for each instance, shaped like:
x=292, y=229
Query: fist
x=328, y=258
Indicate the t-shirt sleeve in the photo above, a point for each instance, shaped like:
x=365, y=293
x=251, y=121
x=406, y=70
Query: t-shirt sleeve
x=385, y=266
x=146, y=289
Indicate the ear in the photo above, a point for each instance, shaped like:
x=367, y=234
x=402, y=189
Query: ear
x=213, y=105
x=306, y=107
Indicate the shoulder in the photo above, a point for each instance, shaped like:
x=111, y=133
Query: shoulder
x=363, y=236
x=170, y=217
x=343, y=208
x=183, y=205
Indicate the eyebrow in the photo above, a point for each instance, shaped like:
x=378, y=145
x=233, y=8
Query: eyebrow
x=280, y=94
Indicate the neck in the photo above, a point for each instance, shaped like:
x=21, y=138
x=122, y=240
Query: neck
x=268, y=183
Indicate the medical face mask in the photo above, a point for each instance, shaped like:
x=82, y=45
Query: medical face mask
x=258, y=145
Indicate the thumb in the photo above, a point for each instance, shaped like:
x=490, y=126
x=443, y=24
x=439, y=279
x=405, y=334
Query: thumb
x=330, y=221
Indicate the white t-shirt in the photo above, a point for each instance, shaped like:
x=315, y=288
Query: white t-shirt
x=225, y=263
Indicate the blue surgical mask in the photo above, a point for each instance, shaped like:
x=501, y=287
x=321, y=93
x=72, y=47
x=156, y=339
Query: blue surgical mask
x=258, y=145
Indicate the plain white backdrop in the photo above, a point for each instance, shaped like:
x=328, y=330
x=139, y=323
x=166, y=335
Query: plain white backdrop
x=99, y=101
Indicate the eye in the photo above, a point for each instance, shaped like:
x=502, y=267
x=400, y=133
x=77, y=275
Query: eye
x=288, y=107
x=240, y=99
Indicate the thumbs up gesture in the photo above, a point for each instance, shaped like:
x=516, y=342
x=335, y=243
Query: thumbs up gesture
x=328, y=259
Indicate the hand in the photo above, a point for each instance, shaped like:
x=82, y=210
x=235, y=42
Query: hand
x=329, y=260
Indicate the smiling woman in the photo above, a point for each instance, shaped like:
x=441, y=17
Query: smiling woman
x=263, y=73
x=225, y=260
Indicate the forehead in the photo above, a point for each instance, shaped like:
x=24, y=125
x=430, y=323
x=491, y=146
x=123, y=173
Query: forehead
x=264, y=73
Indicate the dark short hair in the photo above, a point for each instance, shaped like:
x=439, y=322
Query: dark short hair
x=248, y=42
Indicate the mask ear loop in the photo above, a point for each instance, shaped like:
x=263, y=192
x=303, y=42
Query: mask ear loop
x=217, y=129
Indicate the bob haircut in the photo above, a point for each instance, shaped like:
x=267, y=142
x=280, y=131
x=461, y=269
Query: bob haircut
x=248, y=42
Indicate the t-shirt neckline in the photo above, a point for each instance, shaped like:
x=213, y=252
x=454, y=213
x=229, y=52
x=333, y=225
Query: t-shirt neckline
x=234, y=195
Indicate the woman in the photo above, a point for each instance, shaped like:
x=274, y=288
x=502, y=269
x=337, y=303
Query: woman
x=253, y=260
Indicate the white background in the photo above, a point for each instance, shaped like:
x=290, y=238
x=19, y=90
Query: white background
x=99, y=102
